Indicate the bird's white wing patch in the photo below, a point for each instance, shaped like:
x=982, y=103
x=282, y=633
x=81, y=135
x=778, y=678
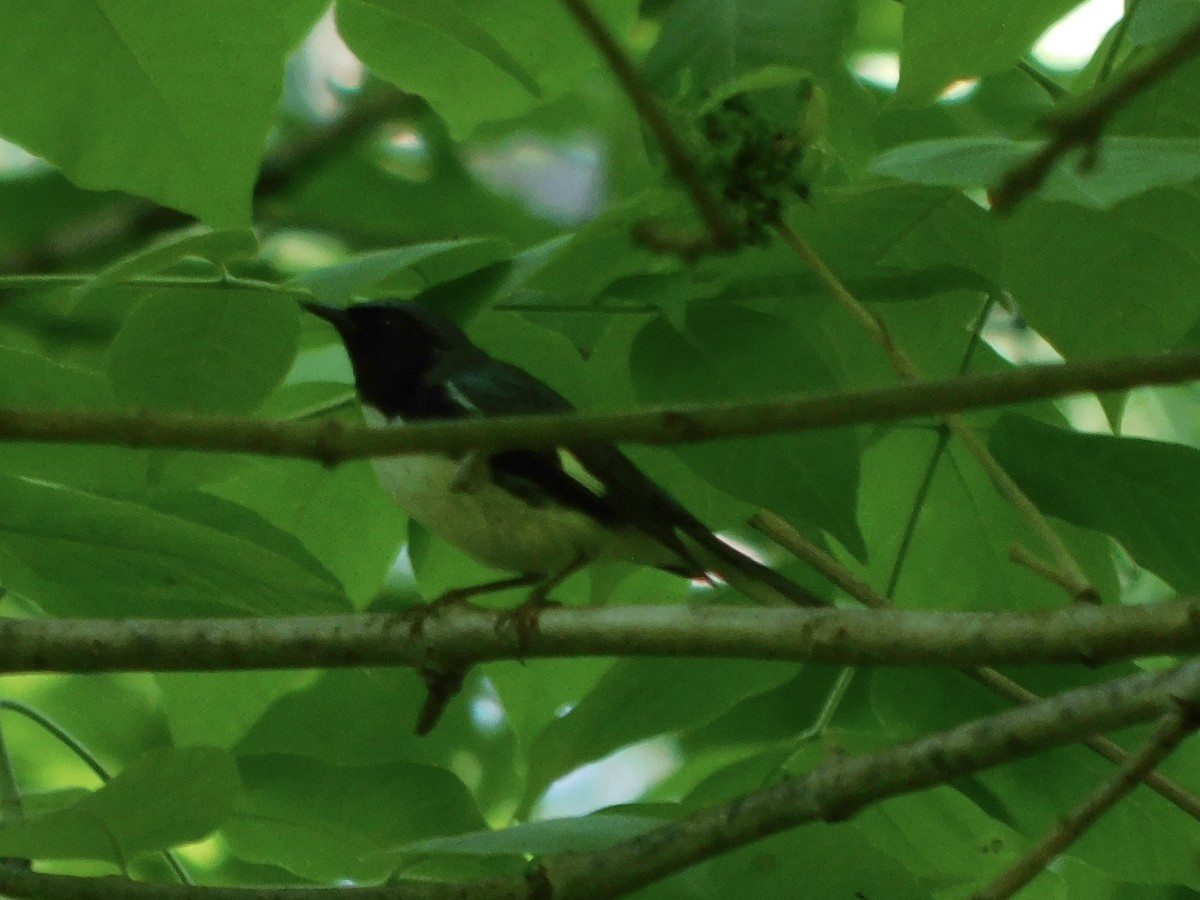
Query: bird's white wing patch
x=572, y=466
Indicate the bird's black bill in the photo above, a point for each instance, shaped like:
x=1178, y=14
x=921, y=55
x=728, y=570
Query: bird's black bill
x=334, y=315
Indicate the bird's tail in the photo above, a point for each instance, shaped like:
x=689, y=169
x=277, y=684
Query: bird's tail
x=758, y=582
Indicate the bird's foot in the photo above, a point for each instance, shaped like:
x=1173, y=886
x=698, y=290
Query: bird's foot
x=524, y=618
x=462, y=597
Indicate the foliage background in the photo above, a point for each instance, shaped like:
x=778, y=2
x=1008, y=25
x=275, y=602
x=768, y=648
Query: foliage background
x=452, y=158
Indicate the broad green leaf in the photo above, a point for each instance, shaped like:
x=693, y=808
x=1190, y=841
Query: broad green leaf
x=1127, y=166
x=1144, y=493
x=340, y=515
x=27, y=379
x=958, y=555
x=641, y=698
x=402, y=271
x=204, y=350
x=830, y=860
x=730, y=353
x=216, y=246
x=514, y=56
x=218, y=708
x=945, y=40
x=77, y=553
x=941, y=834
x=1130, y=267
x=327, y=822
x=166, y=798
x=705, y=43
x=172, y=102
x=356, y=717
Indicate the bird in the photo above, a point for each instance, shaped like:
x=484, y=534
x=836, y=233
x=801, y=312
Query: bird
x=541, y=514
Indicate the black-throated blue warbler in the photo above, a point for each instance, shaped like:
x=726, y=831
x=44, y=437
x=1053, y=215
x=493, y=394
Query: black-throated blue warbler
x=539, y=513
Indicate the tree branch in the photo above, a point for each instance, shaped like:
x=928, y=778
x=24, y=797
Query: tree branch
x=466, y=635
x=333, y=442
x=1082, y=124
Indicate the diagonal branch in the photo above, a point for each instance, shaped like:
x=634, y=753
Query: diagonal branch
x=1081, y=125
x=333, y=442
x=678, y=158
x=1172, y=729
x=840, y=786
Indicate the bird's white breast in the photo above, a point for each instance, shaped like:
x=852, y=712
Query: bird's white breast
x=495, y=527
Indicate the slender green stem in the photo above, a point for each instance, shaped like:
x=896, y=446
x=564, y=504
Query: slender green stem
x=221, y=281
x=1116, y=39
x=943, y=441
x=1042, y=80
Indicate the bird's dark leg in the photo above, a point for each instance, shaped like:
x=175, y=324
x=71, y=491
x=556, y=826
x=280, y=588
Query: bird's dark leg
x=524, y=618
x=444, y=682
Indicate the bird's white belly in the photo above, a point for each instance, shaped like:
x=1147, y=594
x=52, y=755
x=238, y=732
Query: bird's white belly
x=487, y=521
x=493, y=525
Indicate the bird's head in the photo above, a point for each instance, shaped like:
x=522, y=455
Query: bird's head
x=392, y=345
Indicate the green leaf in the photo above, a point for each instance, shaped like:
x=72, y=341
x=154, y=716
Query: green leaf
x=27, y=379
x=204, y=350
x=514, y=55
x=945, y=40
x=958, y=554
x=1129, y=267
x=327, y=822
x=1127, y=166
x=709, y=42
x=172, y=102
x=402, y=270
x=340, y=515
x=1144, y=493
x=363, y=718
x=622, y=709
x=166, y=798
x=729, y=353
x=77, y=553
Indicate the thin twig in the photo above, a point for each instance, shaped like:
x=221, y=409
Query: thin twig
x=796, y=542
x=678, y=158
x=1115, y=39
x=1070, y=572
x=1081, y=125
x=1172, y=729
x=1023, y=556
x=333, y=441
